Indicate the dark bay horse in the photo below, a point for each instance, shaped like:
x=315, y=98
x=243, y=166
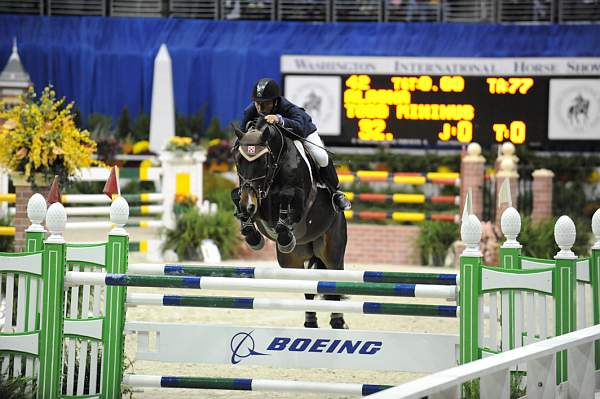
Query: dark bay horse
x=279, y=190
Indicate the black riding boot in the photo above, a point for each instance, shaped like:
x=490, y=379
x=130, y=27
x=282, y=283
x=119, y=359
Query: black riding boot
x=330, y=177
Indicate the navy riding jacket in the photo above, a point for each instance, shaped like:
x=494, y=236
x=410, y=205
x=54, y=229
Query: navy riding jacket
x=294, y=117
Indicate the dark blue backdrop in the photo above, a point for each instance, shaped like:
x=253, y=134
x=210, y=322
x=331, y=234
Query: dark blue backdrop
x=106, y=63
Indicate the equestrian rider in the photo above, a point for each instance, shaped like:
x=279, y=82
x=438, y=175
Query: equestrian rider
x=276, y=109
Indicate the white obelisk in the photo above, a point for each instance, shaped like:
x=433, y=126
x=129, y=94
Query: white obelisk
x=162, y=116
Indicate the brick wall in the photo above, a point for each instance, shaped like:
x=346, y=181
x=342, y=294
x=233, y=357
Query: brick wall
x=21, y=222
x=368, y=244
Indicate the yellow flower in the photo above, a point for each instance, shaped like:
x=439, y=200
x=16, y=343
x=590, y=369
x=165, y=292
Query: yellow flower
x=141, y=146
x=40, y=136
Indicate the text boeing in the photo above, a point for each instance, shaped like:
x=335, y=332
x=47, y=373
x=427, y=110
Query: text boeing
x=319, y=345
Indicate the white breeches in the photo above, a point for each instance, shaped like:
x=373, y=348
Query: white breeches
x=317, y=151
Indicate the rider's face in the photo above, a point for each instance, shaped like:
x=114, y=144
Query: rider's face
x=264, y=107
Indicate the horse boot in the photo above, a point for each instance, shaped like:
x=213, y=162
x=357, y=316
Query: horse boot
x=286, y=241
x=253, y=238
x=330, y=178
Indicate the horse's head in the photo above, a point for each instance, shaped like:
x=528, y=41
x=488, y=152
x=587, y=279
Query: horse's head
x=256, y=157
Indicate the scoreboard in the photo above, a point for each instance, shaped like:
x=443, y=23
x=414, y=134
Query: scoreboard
x=542, y=106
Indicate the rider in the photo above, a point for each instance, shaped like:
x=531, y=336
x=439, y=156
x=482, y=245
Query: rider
x=276, y=109
x=268, y=102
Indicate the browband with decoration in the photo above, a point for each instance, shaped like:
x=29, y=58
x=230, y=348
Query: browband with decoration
x=253, y=152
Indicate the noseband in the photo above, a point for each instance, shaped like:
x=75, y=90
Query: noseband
x=273, y=167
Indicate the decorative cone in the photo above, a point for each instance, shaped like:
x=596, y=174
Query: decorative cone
x=54, y=193
x=112, y=184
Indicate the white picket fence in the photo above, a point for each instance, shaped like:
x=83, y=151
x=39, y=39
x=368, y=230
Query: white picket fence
x=494, y=372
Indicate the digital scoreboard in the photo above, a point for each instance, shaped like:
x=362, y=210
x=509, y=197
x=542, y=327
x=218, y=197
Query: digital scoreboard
x=547, y=108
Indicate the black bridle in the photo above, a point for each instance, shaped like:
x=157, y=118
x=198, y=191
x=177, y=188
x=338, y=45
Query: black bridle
x=273, y=167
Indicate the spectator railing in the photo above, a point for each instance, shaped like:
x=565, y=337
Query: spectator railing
x=473, y=11
x=579, y=11
x=310, y=10
x=248, y=9
x=413, y=11
x=22, y=6
x=468, y=11
x=136, y=8
x=357, y=10
x=201, y=9
x=513, y=11
x=76, y=7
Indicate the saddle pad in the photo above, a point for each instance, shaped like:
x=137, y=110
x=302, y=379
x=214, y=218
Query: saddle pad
x=300, y=148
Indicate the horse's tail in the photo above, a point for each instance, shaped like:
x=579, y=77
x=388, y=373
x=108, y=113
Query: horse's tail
x=315, y=263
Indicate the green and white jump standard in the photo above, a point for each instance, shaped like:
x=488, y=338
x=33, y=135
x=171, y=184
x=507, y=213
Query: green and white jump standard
x=84, y=286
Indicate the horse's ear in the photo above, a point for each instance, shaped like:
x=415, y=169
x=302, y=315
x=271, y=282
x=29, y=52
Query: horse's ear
x=237, y=131
x=266, y=134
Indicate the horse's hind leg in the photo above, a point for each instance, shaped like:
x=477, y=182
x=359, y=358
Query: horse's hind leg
x=330, y=251
x=296, y=260
x=337, y=321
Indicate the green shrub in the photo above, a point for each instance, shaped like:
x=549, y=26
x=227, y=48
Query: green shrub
x=434, y=240
x=538, y=238
x=16, y=387
x=192, y=227
x=217, y=189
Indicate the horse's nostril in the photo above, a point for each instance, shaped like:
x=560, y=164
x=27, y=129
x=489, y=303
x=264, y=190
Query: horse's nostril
x=251, y=208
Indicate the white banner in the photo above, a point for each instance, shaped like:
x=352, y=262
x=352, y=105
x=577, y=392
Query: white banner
x=574, y=112
x=295, y=347
x=465, y=66
x=320, y=96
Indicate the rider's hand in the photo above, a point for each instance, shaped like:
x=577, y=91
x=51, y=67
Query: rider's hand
x=273, y=119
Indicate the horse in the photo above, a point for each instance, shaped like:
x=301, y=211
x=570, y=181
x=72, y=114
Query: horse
x=280, y=192
x=578, y=112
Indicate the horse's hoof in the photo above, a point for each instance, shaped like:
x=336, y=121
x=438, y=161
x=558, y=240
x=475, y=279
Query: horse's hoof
x=338, y=324
x=286, y=248
x=311, y=324
x=256, y=241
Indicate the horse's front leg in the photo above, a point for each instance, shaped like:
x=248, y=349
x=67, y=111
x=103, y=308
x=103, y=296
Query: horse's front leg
x=286, y=241
x=252, y=236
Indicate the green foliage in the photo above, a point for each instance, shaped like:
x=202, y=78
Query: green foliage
x=538, y=238
x=215, y=131
x=471, y=389
x=192, y=227
x=7, y=243
x=434, y=240
x=141, y=128
x=136, y=187
x=96, y=121
x=192, y=125
x=84, y=187
x=100, y=127
x=124, y=124
x=217, y=189
x=16, y=387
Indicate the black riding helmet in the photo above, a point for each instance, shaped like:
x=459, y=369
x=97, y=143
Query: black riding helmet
x=266, y=89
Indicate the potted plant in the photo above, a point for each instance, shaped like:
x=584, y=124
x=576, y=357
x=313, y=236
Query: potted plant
x=39, y=139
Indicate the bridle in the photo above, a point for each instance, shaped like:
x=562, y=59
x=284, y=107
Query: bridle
x=273, y=167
